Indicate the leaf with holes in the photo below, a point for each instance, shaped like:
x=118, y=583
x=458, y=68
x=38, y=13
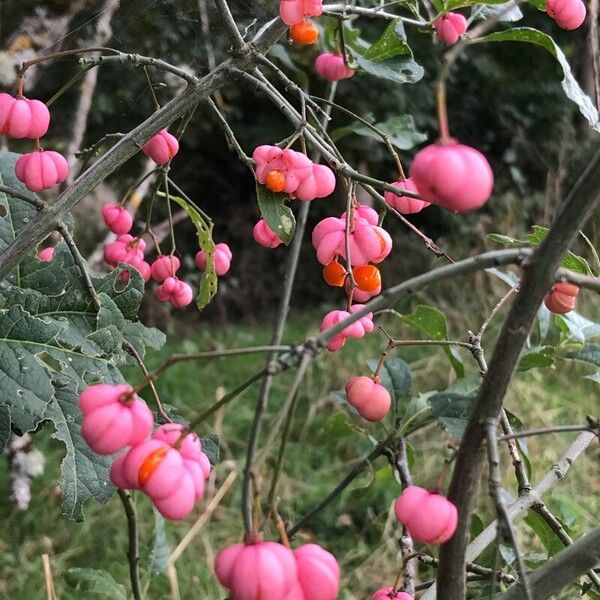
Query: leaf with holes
x=276, y=213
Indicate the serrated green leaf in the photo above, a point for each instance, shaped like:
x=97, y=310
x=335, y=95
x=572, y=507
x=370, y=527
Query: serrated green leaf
x=94, y=581
x=570, y=86
x=160, y=552
x=276, y=213
x=392, y=43
x=85, y=473
x=209, y=281
x=432, y=322
x=400, y=131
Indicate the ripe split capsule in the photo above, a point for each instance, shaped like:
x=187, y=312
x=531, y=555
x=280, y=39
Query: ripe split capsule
x=367, y=278
x=334, y=274
x=305, y=33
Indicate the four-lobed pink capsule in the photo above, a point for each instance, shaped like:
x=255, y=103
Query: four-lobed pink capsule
x=222, y=259
x=358, y=329
x=41, y=169
x=331, y=66
x=450, y=27
x=162, y=147
x=265, y=236
x=22, y=117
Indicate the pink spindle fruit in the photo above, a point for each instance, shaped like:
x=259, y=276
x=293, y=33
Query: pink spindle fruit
x=332, y=67
x=453, y=176
x=130, y=250
x=222, y=259
x=390, y=593
x=41, y=169
x=256, y=571
x=164, y=266
x=318, y=574
x=562, y=298
x=319, y=184
x=358, y=329
x=265, y=236
x=162, y=147
x=117, y=218
x=360, y=295
x=568, y=14
x=450, y=27
x=46, y=255
x=368, y=397
x=294, y=11
x=23, y=118
x=177, y=292
x=429, y=517
x=113, y=417
x=405, y=205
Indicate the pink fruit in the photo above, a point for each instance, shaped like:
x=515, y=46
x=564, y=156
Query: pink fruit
x=23, y=118
x=368, y=397
x=258, y=571
x=294, y=11
x=319, y=184
x=332, y=67
x=175, y=291
x=405, y=205
x=113, y=417
x=130, y=250
x=117, y=219
x=453, y=176
x=164, y=266
x=41, y=169
x=358, y=329
x=429, y=517
x=390, y=593
x=318, y=574
x=562, y=298
x=264, y=235
x=222, y=258
x=568, y=14
x=450, y=27
x=46, y=255
x=162, y=147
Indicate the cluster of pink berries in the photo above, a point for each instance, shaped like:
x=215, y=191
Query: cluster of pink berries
x=357, y=330
x=259, y=570
x=168, y=466
x=20, y=118
x=130, y=250
x=292, y=173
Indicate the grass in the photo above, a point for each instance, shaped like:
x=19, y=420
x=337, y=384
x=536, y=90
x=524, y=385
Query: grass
x=357, y=527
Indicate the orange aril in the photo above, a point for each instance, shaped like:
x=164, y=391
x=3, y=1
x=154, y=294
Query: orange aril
x=304, y=32
x=334, y=274
x=275, y=181
x=150, y=464
x=367, y=278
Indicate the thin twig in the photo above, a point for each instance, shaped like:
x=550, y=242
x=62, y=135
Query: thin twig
x=133, y=552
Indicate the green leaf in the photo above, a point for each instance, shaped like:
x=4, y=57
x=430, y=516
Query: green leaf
x=211, y=446
x=399, y=69
x=589, y=353
x=500, y=238
x=400, y=130
x=432, y=322
x=391, y=44
x=452, y=410
x=99, y=583
x=505, y=12
x=160, y=552
x=570, y=86
x=208, y=283
x=85, y=473
x=540, y=356
x=276, y=213
x=548, y=538
x=338, y=426
x=454, y=4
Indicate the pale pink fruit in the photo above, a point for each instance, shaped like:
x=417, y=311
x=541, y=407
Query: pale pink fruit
x=453, y=176
x=405, y=205
x=450, y=27
x=318, y=574
x=113, y=417
x=46, y=255
x=162, y=147
x=175, y=291
x=319, y=184
x=259, y=571
x=130, y=250
x=390, y=593
x=117, y=218
x=41, y=169
x=429, y=517
x=23, y=118
x=294, y=11
x=562, y=298
x=164, y=266
x=368, y=397
x=264, y=235
x=222, y=259
x=332, y=67
x=358, y=329
x=568, y=14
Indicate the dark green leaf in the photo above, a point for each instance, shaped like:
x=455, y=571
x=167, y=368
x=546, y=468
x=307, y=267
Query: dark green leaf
x=93, y=581
x=160, y=552
x=541, y=356
x=589, y=353
x=391, y=44
x=570, y=86
x=276, y=213
x=549, y=539
x=399, y=70
x=211, y=446
x=452, y=410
